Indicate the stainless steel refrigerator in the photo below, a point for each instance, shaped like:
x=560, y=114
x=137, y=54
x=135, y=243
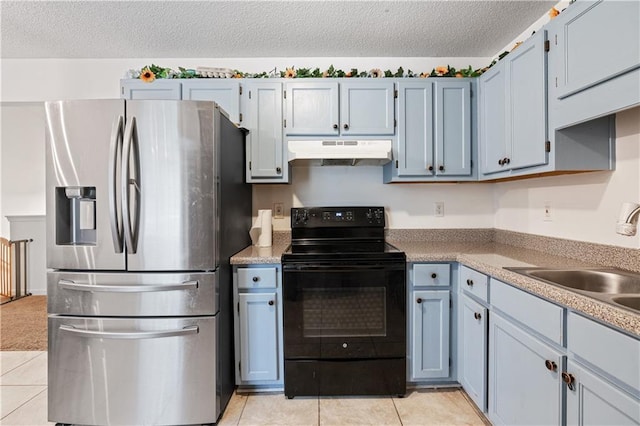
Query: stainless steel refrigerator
x=146, y=202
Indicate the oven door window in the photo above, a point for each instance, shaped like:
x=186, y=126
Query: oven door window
x=344, y=312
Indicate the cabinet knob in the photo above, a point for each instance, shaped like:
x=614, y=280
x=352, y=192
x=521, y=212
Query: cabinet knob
x=501, y=162
x=430, y=168
x=346, y=126
x=551, y=366
x=278, y=170
x=441, y=168
x=477, y=315
x=419, y=300
x=335, y=126
x=256, y=279
x=434, y=275
x=271, y=302
x=507, y=160
x=568, y=379
x=470, y=283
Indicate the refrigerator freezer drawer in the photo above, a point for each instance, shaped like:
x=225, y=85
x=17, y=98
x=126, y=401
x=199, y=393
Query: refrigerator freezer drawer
x=124, y=371
x=132, y=294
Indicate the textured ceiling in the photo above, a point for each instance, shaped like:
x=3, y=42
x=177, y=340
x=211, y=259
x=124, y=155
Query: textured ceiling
x=245, y=29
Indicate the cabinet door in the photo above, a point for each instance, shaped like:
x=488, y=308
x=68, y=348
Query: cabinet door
x=415, y=129
x=258, y=336
x=312, y=109
x=493, y=119
x=521, y=389
x=593, y=401
x=473, y=374
x=527, y=91
x=367, y=108
x=453, y=128
x=591, y=57
x=264, y=122
x=225, y=93
x=430, y=340
x=157, y=90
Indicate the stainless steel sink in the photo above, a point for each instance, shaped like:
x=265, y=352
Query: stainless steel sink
x=615, y=286
x=597, y=280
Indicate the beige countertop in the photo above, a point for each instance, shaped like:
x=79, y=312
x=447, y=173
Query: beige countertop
x=489, y=258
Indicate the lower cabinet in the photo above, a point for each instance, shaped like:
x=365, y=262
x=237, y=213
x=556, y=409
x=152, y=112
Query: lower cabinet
x=592, y=400
x=525, y=384
x=430, y=340
x=258, y=326
x=473, y=350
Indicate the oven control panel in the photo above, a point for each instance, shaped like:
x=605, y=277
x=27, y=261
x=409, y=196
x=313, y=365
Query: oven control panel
x=321, y=217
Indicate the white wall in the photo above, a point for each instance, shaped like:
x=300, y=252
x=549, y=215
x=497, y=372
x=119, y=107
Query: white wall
x=21, y=161
x=584, y=206
x=466, y=205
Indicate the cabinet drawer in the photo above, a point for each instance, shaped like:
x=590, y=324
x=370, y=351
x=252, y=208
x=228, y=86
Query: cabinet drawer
x=537, y=314
x=475, y=283
x=609, y=350
x=257, y=278
x=431, y=274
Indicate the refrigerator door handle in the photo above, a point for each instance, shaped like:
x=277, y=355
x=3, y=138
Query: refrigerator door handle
x=130, y=144
x=130, y=335
x=72, y=285
x=115, y=150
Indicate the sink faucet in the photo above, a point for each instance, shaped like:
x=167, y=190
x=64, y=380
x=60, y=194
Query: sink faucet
x=628, y=221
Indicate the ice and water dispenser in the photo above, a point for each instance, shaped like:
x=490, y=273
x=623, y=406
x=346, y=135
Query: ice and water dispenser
x=76, y=215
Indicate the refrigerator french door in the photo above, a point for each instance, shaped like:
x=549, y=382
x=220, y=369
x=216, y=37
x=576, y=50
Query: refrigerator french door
x=134, y=297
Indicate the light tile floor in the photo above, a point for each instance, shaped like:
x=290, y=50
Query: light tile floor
x=23, y=401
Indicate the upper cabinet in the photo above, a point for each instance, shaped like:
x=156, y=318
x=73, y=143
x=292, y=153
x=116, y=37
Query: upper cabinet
x=345, y=108
x=158, y=90
x=225, y=92
x=434, y=131
x=594, y=61
x=262, y=103
x=513, y=109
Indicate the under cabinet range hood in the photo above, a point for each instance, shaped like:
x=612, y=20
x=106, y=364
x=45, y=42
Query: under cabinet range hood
x=340, y=152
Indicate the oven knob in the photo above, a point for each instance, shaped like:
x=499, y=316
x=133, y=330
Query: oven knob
x=344, y=345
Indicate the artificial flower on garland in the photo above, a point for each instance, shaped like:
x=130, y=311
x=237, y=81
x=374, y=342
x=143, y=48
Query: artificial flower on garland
x=553, y=12
x=147, y=75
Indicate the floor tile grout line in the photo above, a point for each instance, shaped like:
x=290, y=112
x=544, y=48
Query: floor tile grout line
x=393, y=401
x=24, y=403
x=20, y=365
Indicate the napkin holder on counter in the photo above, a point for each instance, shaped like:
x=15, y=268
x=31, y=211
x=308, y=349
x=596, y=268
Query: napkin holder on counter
x=261, y=230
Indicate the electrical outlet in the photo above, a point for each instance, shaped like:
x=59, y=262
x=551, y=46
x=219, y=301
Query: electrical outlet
x=438, y=209
x=547, y=212
x=278, y=211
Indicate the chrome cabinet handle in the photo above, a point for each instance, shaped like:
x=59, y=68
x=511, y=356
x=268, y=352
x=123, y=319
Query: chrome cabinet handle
x=130, y=335
x=115, y=218
x=72, y=285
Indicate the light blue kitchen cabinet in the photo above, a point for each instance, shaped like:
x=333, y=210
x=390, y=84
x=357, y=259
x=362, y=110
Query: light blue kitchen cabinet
x=522, y=142
x=594, y=72
x=434, y=131
x=258, y=322
x=156, y=90
x=225, y=92
x=524, y=377
x=263, y=120
x=473, y=350
x=430, y=337
x=592, y=400
x=452, y=125
x=493, y=118
x=258, y=326
x=367, y=107
x=340, y=108
x=414, y=152
x=312, y=109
